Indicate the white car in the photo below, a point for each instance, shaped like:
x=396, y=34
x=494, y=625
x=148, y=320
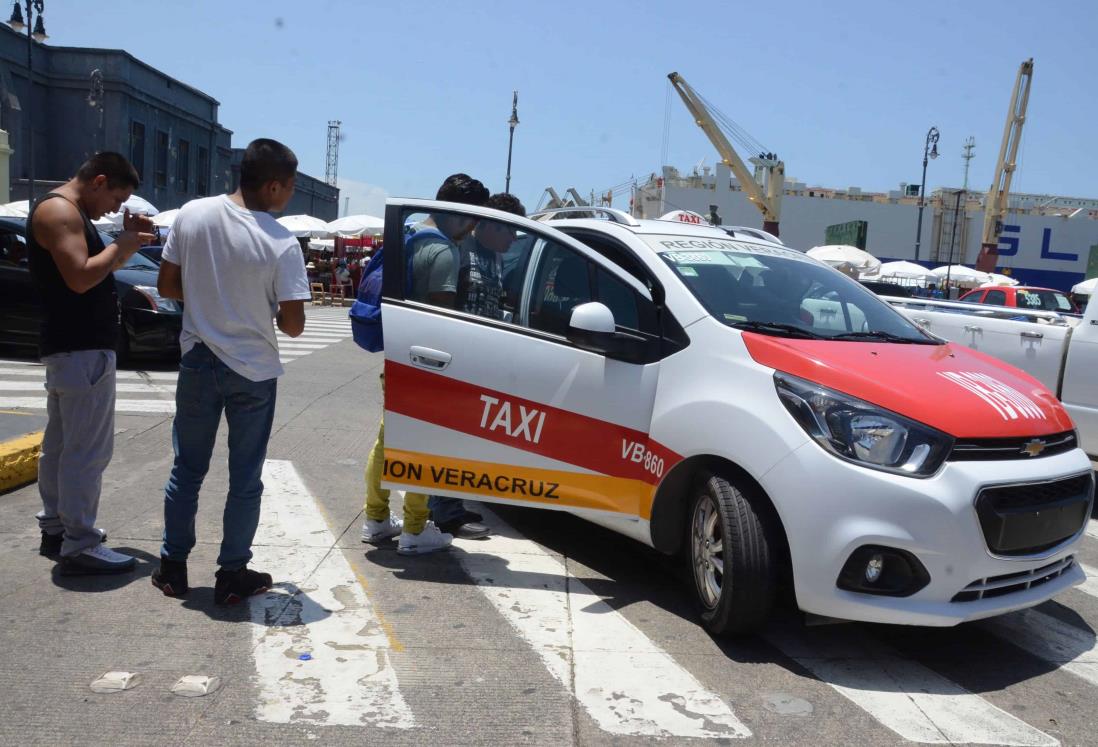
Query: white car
x=737, y=402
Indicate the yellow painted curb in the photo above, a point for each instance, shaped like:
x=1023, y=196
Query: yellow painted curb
x=19, y=460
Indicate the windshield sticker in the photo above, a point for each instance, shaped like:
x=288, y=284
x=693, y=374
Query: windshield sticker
x=1005, y=400
x=687, y=271
x=680, y=245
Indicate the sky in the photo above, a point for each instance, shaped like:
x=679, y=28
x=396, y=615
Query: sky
x=844, y=92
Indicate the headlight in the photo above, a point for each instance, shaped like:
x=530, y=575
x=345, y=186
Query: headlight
x=156, y=301
x=861, y=432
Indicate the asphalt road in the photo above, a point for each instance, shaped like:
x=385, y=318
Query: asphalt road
x=552, y=631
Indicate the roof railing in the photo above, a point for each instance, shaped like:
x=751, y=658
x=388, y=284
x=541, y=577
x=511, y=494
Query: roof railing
x=612, y=214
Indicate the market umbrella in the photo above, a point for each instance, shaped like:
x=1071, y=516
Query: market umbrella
x=135, y=205
x=165, y=219
x=305, y=226
x=998, y=280
x=1085, y=288
x=903, y=270
x=356, y=225
x=17, y=209
x=840, y=254
x=322, y=245
x=961, y=275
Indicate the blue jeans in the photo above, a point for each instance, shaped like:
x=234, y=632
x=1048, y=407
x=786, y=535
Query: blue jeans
x=445, y=509
x=206, y=388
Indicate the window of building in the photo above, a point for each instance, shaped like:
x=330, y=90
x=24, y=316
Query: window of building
x=183, y=165
x=202, y=172
x=137, y=148
x=161, y=175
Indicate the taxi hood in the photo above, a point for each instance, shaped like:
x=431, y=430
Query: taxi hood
x=949, y=387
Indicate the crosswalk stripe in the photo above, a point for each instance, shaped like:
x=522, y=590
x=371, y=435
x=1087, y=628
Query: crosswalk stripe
x=1092, y=528
x=121, y=386
x=314, y=336
x=349, y=679
x=299, y=346
x=1090, y=586
x=903, y=695
x=40, y=373
x=626, y=683
x=120, y=405
x=1046, y=637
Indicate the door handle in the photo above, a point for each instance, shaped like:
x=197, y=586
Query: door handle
x=1034, y=335
x=973, y=328
x=436, y=360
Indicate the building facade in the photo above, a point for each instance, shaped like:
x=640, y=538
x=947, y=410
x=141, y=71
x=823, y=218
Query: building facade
x=312, y=196
x=85, y=100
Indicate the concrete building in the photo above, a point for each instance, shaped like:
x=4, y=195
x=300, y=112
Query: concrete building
x=86, y=100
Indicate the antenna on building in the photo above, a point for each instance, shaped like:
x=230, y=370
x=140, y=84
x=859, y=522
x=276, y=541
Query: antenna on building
x=332, y=168
x=970, y=144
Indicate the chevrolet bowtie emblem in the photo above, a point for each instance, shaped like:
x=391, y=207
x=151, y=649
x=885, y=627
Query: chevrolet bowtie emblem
x=1034, y=448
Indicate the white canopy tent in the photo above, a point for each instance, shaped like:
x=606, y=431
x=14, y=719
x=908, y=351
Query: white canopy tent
x=165, y=219
x=305, y=226
x=1085, y=288
x=356, y=225
x=837, y=255
x=961, y=275
x=998, y=280
x=17, y=209
x=907, y=272
x=322, y=245
x=135, y=205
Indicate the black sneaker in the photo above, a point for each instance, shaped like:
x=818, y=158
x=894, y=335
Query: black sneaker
x=171, y=577
x=50, y=546
x=232, y=587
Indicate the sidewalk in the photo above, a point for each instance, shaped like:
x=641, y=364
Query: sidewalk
x=20, y=442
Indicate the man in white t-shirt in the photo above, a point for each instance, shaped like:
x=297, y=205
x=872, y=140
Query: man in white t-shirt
x=239, y=273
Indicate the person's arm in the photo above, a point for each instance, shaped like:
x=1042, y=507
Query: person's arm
x=291, y=317
x=169, y=283
x=59, y=229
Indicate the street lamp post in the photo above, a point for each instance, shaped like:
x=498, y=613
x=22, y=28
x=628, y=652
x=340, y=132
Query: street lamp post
x=513, y=122
x=930, y=150
x=34, y=20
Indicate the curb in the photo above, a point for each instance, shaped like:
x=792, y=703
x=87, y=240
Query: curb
x=19, y=461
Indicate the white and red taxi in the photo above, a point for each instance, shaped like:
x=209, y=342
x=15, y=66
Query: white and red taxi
x=737, y=402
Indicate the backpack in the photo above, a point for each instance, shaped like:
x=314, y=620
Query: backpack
x=365, y=312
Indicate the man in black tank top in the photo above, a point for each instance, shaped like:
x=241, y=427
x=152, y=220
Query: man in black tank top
x=73, y=271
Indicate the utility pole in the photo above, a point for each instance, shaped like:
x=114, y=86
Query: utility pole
x=970, y=144
x=512, y=122
x=37, y=35
x=930, y=150
x=331, y=168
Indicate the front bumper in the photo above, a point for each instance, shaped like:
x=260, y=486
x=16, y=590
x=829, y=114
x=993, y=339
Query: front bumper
x=830, y=508
x=152, y=331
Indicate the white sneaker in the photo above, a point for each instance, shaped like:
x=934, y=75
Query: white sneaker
x=96, y=559
x=376, y=532
x=429, y=540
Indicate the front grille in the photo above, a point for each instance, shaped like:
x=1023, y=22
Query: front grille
x=998, y=586
x=988, y=449
x=1034, y=517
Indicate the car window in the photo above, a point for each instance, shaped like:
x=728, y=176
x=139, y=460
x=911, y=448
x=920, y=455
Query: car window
x=631, y=311
x=561, y=282
x=779, y=291
x=995, y=297
x=13, y=249
x=1043, y=300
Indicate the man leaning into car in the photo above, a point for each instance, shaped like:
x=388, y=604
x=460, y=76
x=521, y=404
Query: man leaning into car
x=73, y=271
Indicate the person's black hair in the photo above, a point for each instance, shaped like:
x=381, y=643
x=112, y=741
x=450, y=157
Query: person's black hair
x=507, y=202
x=266, y=161
x=464, y=189
x=114, y=166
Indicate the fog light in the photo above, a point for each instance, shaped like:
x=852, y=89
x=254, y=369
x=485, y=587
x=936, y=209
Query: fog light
x=882, y=571
x=874, y=568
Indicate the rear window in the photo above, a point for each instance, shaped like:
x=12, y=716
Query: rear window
x=1043, y=300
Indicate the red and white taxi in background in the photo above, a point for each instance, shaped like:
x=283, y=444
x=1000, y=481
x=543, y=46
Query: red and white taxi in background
x=732, y=400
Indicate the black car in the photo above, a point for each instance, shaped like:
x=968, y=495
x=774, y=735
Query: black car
x=150, y=323
x=155, y=252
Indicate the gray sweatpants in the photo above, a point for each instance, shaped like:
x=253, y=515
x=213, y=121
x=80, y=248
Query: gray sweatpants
x=78, y=444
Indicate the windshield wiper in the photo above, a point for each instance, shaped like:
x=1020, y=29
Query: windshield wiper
x=778, y=329
x=883, y=337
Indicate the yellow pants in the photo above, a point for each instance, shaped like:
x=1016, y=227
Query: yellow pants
x=377, y=497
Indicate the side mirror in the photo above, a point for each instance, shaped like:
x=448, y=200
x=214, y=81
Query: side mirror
x=592, y=328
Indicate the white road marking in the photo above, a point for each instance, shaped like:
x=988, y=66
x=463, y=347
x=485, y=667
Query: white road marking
x=120, y=405
x=300, y=346
x=121, y=386
x=40, y=372
x=903, y=695
x=626, y=683
x=1092, y=528
x=314, y=337
x=349, y=679
x=1090, y=586
x=1050, y=639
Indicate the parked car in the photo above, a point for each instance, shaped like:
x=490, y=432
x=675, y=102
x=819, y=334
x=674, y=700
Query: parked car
x=150, y=323
x=888, y=289
x=153, y=251
x=741, y=404
x=1022, y=297
x=1058, y=349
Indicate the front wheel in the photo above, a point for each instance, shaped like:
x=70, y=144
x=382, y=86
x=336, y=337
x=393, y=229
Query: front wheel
x=730, y=553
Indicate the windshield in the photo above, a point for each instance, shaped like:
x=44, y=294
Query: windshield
x=140, y=262
x=781, y=292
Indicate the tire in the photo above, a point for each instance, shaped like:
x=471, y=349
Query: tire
x=734, y=586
